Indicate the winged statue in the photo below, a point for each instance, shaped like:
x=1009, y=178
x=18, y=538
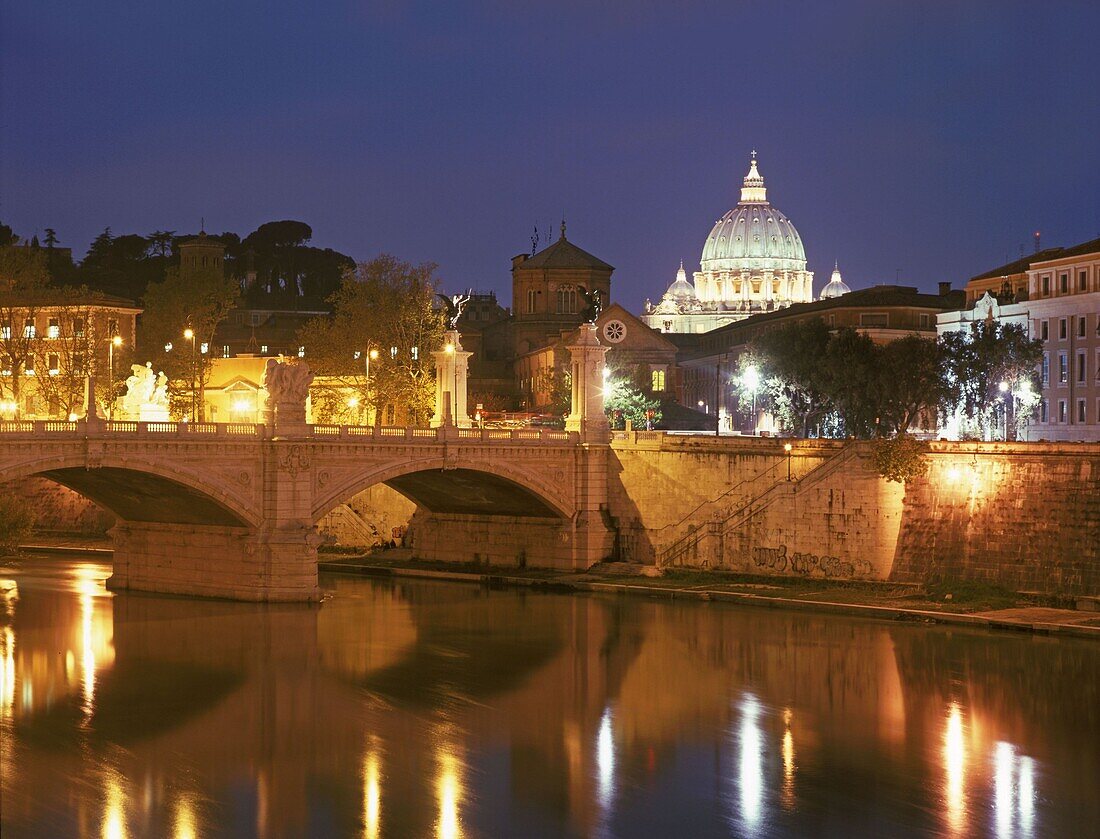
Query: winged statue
x=593, y=304
x=453, y=306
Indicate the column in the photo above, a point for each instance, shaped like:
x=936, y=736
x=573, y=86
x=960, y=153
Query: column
x=587, y=416
x=451, y=364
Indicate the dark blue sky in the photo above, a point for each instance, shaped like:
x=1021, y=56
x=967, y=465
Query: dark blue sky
x=930, y=137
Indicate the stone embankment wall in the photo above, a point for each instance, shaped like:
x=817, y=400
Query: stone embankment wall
x=375, y=516
x=1025, y=516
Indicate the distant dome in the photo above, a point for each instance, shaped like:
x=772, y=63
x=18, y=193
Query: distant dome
x=680, y=289
x=753, y=235
x=836, y=286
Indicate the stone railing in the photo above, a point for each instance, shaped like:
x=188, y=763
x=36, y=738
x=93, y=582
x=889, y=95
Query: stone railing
x=234, y=430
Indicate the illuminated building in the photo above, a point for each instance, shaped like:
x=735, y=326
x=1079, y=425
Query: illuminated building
x=753, y=261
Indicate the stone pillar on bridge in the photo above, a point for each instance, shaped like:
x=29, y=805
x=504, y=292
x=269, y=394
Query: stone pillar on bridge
x=587, y=416
x=451, y=363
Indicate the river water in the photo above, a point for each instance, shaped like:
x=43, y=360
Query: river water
x=408, y=709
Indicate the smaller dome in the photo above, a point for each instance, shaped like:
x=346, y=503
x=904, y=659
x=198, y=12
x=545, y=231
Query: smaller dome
x=680, y=289
x=836, y=286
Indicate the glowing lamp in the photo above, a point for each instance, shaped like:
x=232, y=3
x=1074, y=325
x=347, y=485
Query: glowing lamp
x=117, y=340
x=188, y=334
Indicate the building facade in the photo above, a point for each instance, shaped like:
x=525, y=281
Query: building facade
x=1060, y=306
x=753, y=261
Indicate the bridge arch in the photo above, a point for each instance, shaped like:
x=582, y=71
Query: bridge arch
x=140, y=490
x=463, y=487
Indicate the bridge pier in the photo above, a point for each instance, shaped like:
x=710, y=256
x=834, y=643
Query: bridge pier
x=231, y=562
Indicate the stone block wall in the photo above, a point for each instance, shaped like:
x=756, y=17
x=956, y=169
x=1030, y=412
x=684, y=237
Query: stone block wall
x=495, y=540
x=1024, y=516
x=368, y=519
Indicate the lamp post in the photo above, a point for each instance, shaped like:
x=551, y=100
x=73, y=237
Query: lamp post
x=189, y=334
x=750, y=379
x=370, y=355
x=787, y=448
x=116, y=341
x=1003, y=388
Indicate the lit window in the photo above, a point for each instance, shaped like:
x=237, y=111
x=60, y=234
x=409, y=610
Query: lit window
x=54, y=328
x=531, y=301
x=204, y=348
x=1063, y=368
x=5, y=332
x=393, y=352
x=1046, y=369
x=415, y=353
x=28, y=368
x=28, y=328
x=225, y=350
x=263, y=349
x=301, y=352
x=658, y=380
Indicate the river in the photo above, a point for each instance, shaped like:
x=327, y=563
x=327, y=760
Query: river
x=410, y=708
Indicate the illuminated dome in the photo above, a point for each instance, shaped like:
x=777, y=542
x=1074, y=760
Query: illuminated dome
x=681, y=289
x=836, y=286
x=753, y=235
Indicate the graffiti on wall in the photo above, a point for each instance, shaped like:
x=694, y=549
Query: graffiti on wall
x=781, y=561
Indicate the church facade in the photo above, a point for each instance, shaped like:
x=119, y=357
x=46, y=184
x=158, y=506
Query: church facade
x=753, y=261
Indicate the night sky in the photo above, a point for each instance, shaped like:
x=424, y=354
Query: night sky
x=932, y=138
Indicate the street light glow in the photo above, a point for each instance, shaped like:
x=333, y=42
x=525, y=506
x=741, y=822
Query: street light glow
x=117, y=340
x=751, y=378
x=188, y=334
x=449, y=349
x=1003, y=387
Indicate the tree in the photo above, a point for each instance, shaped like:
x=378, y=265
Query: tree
x=280, y=233
x=200, y=303
x=793, y=372
x=851, y=384
x=23, y=291
x=16, y=521
x=912, y=383
x=161, y=242
x=978, y=361
x=624, y=401
x=386, y=305
x=51, y=238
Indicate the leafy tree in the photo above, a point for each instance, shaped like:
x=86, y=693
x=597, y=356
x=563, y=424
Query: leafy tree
x=7, y=236
x=900, y=459
x=794, y=374
x=912, y=382
x=851, y=384
x=624, y=401
x=23, y=292
x=977, y=361
x=386, y=305
x=199, y=303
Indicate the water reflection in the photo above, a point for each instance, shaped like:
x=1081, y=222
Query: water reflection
x=417, y=709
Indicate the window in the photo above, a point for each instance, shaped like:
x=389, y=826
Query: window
x=874, y=319
x=1046, y=369
x=924, y=321
x=1081, y=410
x=301, y=352
x=1044, y=410
x=28, y=328
x=1080, y=367
x=1046, y=285
x=225, y=350
x=53, y=329
x=1063, y=330
x=393, y=352
x=28, y=367
x=658, y=377
x=1044, y=330
x=53, y=361
x=255, y=318
x=1061, y=410
x=567, y=300
x=78, y=363
x=1080, y=326
x=1082, y=281
x=5, y=332
x=531, y=301
x=263, y=349
x=1063, y=282
x=1063, y=368
x=416, y=353
x=78, y=327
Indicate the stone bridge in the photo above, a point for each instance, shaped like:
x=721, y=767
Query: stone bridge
x=229, y=509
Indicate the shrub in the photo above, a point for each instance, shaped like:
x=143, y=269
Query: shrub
x=16, y=522
x=900, y=458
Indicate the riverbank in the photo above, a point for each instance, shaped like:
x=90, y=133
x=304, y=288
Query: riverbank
x=959, y=604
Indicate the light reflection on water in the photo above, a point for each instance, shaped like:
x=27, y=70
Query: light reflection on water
x=412, y=709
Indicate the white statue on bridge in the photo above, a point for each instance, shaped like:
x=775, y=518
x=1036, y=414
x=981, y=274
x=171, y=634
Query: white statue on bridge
x=287, y=385
x=146, y=397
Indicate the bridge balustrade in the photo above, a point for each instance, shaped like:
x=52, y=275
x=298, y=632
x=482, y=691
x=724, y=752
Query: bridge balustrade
x=127, y=428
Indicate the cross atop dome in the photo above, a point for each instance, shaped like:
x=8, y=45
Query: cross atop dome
x=752, y=191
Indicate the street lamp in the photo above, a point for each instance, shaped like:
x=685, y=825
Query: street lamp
x=189, y=334
x=787, y=448
x=116, y=341
x=371, y=355
x=750, y=380
x=1003, y=388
